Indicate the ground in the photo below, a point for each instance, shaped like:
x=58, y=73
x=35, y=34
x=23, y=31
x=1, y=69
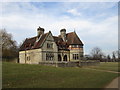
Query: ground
x=37, y=76
x=109, y=66
x=113, y=83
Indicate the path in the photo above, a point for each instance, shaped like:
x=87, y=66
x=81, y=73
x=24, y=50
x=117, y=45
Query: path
x=102, y=70
x=114, y=83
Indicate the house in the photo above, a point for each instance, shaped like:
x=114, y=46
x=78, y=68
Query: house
x=45, y=47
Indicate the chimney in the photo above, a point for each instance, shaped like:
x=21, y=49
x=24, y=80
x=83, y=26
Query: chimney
x=63, y=34
x=40, y=31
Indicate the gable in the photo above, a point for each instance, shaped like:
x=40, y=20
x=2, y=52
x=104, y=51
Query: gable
x=49, y=38
x=33, y=43
x=38, y=42
x=72, y=38
x=28, y=44
x=41, y=41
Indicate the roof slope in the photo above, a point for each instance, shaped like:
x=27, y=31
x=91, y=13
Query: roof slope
x=72, y=38
x=35, y=42
x=28, y=43
x=32, y=43
x=39, y=43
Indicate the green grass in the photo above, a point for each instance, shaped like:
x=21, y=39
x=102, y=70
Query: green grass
x=111, y=66
x=37, y=76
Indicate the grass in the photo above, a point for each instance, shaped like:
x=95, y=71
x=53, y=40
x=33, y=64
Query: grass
x=110, y=66
x=37, y=76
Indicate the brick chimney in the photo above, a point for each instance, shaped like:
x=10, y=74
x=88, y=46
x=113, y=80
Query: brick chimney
x=40, y=31
x=63, y=34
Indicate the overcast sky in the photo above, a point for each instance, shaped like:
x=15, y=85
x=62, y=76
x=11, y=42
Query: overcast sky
x=96, y=23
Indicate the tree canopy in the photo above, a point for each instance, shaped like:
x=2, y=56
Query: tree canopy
x=9, y=46
x=97, y=53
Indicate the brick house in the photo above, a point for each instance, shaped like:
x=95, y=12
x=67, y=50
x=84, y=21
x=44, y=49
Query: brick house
x=45, y=47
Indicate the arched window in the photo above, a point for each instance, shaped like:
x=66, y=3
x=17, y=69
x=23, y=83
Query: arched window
x=59, y=58
x=65, y=58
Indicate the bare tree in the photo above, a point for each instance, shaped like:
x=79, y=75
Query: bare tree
x=113, y=56
x=9, y=46
x=108, y=58
x=97, y=53
x=116, y=55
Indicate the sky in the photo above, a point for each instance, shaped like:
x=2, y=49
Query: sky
x=96, y=23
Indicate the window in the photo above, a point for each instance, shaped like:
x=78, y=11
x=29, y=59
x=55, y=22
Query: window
x=28, y=58
x=49, y=45
x=75, y=56
x=49, y=56
x=75, y=46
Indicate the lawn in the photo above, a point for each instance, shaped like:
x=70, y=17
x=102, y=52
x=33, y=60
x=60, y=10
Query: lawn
x=37, y=76
x=111, y=66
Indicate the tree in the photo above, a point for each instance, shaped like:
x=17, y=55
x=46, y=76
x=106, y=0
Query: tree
x=108, y=58
x=21, y=43
x=113, y=56
x=117, y=55
x=97, y=53
x=9, y=46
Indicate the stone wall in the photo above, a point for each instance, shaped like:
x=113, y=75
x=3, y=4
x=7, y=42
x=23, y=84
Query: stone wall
x=78, y=51
x=53, y=50
x=30, y=56
x=70, y=64
x=38, y=55
x=89, y=63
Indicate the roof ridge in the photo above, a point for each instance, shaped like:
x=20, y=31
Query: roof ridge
x=44, y=38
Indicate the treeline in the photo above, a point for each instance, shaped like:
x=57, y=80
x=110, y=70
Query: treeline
x=97, y=54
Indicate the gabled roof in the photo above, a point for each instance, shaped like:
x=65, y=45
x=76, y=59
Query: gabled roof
x=72, y=38
x=32, y=43
x=37, y=41
x=28, y=43
x=57, y=39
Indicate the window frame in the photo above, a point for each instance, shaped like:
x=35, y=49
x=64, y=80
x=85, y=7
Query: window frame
x=75, y=57
x=49, y=56
x=50, y=45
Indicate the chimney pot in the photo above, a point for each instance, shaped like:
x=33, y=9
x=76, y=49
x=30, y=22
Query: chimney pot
x=63, y=34
x=40, y=31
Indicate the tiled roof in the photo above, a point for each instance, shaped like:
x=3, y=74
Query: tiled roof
x=32, y=43
x=28, y=43
x=72, y=38
x=39, y=43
